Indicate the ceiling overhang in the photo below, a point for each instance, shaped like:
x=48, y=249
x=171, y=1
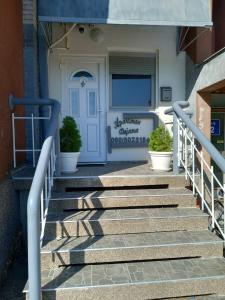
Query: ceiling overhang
x=190, y=13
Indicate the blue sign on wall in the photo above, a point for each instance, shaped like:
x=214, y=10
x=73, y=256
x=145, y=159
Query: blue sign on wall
x=215, y=127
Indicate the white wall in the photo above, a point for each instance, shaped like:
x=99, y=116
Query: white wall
x=152, y=39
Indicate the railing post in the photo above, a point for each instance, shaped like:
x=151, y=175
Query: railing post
x=33, y=228
x=193, y=162
x=212, y=198
x=33, y=141
x=179, y=142
x=57, y=152
x=202, y=181
x=224, y=209
x=14, y=140
x=175, y=145
x=186, y=153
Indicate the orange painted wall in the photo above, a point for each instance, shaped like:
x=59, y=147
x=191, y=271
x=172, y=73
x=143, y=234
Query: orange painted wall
x=11, y=76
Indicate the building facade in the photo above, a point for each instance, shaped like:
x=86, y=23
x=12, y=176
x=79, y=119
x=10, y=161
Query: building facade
x=115, y=69
x=120, y=102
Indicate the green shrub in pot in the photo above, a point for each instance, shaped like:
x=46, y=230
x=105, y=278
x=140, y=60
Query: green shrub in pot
x=160, y=148
x=70, y=139
x=160, y=140
x=70, y=144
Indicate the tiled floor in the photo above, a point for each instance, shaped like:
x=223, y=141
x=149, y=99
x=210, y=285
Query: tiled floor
x=109, y=169
x=117, y=169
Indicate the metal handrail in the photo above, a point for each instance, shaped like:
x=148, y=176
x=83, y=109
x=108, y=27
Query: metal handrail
x=202, y=139
x=185, y=135
x=35, y=195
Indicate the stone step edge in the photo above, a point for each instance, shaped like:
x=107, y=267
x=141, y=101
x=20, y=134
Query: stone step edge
x=198, y=297
x=125, y=219
x=120, y=196
x=183, y=280
x=130, y=247
x=121, y=176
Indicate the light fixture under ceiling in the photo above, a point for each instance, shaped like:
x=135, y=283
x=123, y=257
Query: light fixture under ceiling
x=97, y=35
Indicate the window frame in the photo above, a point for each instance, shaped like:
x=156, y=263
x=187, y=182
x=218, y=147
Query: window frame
x=89, y=78
x=140, y=108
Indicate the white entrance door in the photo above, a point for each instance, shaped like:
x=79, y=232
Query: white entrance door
x=83, y=90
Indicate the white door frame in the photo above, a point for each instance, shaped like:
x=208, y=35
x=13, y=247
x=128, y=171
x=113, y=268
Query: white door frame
x=101, y=61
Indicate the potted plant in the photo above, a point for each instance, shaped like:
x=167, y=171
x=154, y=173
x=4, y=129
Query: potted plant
x=70, y=144
x=160, y=148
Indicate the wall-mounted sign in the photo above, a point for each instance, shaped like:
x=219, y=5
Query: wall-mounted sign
x=124, y=129
x=119, y=123
x=127, y=131
x=220, y=141
x=129, y=141
x=215, y=127
x=128, y=136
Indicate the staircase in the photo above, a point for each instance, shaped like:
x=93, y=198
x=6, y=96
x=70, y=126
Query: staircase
x=129, y=238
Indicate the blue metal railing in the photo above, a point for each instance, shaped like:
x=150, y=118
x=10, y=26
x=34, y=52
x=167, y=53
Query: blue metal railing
x=40, y=192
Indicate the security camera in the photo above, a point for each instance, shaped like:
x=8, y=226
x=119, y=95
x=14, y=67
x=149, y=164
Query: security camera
x=81, y=29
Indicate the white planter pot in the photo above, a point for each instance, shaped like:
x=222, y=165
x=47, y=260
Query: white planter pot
x=161, y=160
x=68, y=161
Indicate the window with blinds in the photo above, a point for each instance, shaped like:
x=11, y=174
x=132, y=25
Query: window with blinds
x=132, y=81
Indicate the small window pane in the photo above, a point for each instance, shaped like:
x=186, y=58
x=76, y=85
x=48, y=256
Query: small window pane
x=80, y=74
x=131, y=90
x=92, y=104
x=75, y=105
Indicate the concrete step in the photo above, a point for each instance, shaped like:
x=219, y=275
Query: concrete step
x=205, y=297
x=135, y=280
x=121, y=221
x=131, y=247
x=119, y=180
x=122, y=198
